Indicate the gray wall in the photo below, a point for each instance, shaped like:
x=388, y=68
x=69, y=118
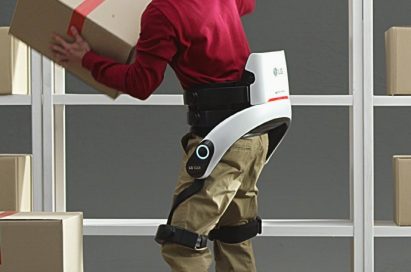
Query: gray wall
x=122, y=162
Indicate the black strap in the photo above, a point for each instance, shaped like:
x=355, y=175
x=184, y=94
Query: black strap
x=208, y=118
x=237, y=234
x=213, y=98
x=193, y=189
x=173, y=234
x=220, y=95
x=226, y=234
x=169, y=233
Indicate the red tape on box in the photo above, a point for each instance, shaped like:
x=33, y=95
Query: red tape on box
x=80, y=13
x=7, y=213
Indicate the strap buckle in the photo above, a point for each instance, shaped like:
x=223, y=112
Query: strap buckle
x=173, y=234
x=201, y=242
x=259, y=225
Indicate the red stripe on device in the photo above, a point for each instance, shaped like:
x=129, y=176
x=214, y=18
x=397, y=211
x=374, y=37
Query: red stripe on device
x=80, y=13
x=278, y=98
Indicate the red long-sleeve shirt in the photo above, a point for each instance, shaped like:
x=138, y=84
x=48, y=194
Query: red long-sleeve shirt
x=203, y=41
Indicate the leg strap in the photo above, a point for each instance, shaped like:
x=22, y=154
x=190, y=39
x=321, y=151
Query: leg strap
x=173, y=234
x=230, y=235
x=193, y=189
x=237, y=234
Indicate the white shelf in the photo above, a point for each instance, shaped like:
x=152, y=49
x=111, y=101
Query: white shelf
x=271, y=228
x=177, y=100
x=121, y=227
x=15, y=100
x=285, y=228
x=390, y=229
x=100, y=99
x=387, y=101
x=308, y=228
x=296, y=100
x=322, y=100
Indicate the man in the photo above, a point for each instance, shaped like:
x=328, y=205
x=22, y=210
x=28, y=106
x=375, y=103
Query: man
x=204, y=42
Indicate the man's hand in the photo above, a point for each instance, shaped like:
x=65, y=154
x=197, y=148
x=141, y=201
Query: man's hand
x=67, y=52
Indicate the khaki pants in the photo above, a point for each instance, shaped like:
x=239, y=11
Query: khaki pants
x=229, y=198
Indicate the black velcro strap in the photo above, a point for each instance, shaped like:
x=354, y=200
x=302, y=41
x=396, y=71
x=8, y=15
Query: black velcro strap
x=193, y=189
x=177, y=235
x=208, y=118
x=169, y=233
x=237, y=234
x=217, y=97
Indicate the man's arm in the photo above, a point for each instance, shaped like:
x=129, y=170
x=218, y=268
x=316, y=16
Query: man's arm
x=139, y=79
x=245, y=6
x=155, y=48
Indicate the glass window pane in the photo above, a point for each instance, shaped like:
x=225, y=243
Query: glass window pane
x=308, y=177
x=386, y=15
x=297, y=254
x=122, y=254
x=314, y=35
x=122, y=162
x=392, y=137
x=15, y=127
x=6, y=11
x=392, y=254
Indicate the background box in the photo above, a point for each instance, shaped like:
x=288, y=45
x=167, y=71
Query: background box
x=402, y=190
x=398, y=59
x=111, y=28
x=14, y=65
x=41, y=242
x=15, y=183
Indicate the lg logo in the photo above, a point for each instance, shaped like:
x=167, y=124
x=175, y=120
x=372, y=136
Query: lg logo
x=278, y=71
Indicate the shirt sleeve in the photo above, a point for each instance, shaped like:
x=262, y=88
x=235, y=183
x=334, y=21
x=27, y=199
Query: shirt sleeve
x=245, y=6
x=155, y=49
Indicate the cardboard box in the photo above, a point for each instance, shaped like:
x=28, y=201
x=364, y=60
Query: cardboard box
x=14, y=65
x=402, y=190
x=398, y=58
x=15, y=183
x=41, y=242
x=111, y=28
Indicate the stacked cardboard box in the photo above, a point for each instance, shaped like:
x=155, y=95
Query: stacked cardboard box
x=41, y=242
x=15, y=182
x=398, y=59
x=111, y=28
x=402, y=190
x=14, y=65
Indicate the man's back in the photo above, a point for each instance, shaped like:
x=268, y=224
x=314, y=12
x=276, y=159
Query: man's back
x=211, y=43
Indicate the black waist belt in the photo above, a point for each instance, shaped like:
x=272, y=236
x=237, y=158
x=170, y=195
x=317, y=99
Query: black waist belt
x=209, y=118
x=220, y=97
x=210, y=105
